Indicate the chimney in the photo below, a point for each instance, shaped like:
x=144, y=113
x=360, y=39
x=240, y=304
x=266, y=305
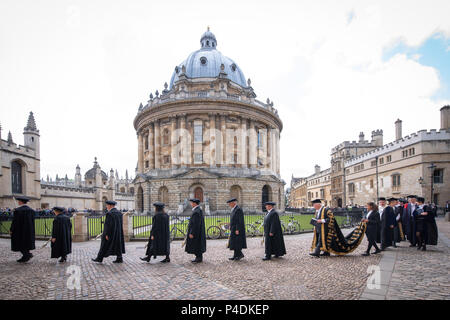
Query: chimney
x=398, y=129
x=361, y=137
x=316, y=169
x=377, y=137
x=445, y=118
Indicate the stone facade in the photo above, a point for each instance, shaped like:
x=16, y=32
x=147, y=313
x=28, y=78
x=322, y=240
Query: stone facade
x=363, y=171
x=20, y=175
x=315, y=186
x=207, y=136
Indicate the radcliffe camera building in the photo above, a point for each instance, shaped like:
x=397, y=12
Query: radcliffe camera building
x=361, y=171
x=207, y=136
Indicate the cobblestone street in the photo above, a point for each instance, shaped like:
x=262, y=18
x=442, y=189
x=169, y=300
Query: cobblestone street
x=413, y=275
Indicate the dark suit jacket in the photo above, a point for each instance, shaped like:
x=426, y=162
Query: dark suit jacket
x=373, y=226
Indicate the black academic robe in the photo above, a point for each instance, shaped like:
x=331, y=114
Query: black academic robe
x=398, y=229
x=160, y=246
x=431, y=237
x=113, y=228
x=410, y=222
x=196, y=227
x=387, y=220
x=22, y=228
x=62, y=232
x=273, y=244
x=237, y=242
x=373, y=226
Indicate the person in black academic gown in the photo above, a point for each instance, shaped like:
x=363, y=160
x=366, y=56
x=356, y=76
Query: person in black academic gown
x=237, y=240
x=61, y=235
x=426, y=229
x=113, y=243
x=159, y=241
x=409, y=222
x=372, y=219
x=196, y=235
x=22, y=229
x=399, y=234
x=387, y=224
x=273, y=234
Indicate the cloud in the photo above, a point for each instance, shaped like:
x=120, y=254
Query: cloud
x=83, y=69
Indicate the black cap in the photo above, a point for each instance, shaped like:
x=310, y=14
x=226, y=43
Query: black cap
x=402, y=200
x=60, y=209
x=317, y=201
x=195, y=200
x=270, y=203
x=232, y=200
x=22, y=198
x=421, y=199
x=110, y=202
x=159, y=204
x=381, y=199
x=411, y=196
x=392, y=199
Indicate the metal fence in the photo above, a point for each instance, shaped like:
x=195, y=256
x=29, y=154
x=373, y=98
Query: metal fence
x=217, y=225
x=43, y=225
x=95, y=224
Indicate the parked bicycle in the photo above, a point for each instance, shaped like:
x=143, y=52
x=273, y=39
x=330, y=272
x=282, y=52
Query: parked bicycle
x=221, y=230
x=256, y=228
x=179, y=228
x=291, y=227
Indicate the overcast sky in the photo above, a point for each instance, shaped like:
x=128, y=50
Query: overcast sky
x=332, y=69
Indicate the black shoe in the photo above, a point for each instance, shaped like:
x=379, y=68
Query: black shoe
x=266, y=258
x=97, y=260
x=325, y=254
x=165, y=260
x=419, y=247
x=395, y=246
x=118, y=260
x=63, y=259
x=376, y=251
x=239, y=258
x=315, y=255
x=424, y=248
x=145, y=259
x=412, y=245
x=21, y=259
x=196, y=261
x=232, y=258
x=366, y=254
x=154, y=257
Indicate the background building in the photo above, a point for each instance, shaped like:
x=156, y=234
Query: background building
x=20, y=175
x=363, y=171
x=206, y=136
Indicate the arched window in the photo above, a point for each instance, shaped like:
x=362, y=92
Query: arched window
x=122, y=190
x=163, y=195
x=236, y=192
x=166, y=137
x=266, y=195
x=146, y=142
x=235, y=150
x=198, y=193
x=140, y=200
x=16, y=177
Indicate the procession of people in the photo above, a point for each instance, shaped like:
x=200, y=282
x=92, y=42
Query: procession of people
x=388, y=223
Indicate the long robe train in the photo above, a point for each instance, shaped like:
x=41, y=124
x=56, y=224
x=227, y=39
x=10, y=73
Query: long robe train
x=335, y=242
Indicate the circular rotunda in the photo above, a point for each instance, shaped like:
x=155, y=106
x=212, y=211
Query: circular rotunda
x=205, y=135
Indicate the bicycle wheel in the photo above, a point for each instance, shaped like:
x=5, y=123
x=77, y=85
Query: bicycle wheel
x=213, y=232
x=296, y=226
x=250, y=230
x=173, y=233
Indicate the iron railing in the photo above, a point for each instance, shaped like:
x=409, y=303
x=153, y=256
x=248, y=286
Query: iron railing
x=43, y=225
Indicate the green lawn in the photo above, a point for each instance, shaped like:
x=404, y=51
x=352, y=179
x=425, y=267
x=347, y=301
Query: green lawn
x=42, y=226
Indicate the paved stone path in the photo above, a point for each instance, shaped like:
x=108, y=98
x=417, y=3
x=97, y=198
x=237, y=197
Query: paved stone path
x=295, y=276
x=407, y=273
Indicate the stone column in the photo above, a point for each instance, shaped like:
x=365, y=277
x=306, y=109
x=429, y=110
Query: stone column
x=253, y=148
x=174, y=161
x=223, y=129
x=157, y=146
x=277, y=151
x=151, y=146
x=183, y=139
x=212, y=140
x=80, y=227
x=242, y=144
x=140, y=153
x=127, y=224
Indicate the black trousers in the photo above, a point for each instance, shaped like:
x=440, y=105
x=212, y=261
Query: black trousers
x=199, y=256
x=25, y=253
x=237, y=253
x=319, y=242
x=372, y=243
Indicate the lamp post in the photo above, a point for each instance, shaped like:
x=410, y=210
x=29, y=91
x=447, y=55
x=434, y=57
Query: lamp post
x=432, y=167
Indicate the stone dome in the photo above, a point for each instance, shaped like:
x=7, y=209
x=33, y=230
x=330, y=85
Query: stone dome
x=206, y=62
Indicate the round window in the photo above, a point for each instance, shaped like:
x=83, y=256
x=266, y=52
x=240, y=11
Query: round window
x=203, y=60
